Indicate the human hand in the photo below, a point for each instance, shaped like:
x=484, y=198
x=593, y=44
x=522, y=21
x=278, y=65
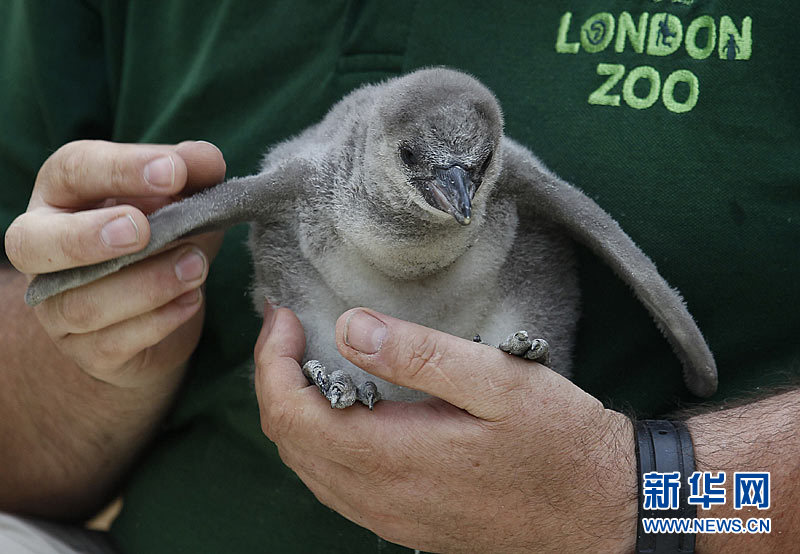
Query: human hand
x=134, y=328
x=513, y=457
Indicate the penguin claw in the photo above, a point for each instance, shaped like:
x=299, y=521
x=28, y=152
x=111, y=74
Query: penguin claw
x=539, y=352
x=342, y=390
x=520, y=344
x=317, y=375
x=338, y=387
x=517, y=344
x=368, y=394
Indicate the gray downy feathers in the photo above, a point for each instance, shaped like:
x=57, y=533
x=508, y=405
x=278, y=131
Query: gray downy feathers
x=407, y=198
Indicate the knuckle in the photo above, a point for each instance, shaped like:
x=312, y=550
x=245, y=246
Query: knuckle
x=422, y=356
x=86, y=359
x=266, y=426
x=131, y=367
x=278, y=420
x=94, y=366
x=287, y=457
x=324, y=497
x=70, y=166
x=76, y=310
x=48, y=317
x=106, y=355
x=112, y=365
x=14, y=245
x=266, y=418
x=76, y=246
x=117, y=174
x=109, y=348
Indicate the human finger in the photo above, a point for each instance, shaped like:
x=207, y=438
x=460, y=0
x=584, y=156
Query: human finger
x=205, y=164
x=278, y=353
x=50, y=237
x=44, y=240
x=291, y=408
x=131, y=292
x=370, y=443
x=482, y=380
x=294, y=412
x=83, y=172
x=119, y=353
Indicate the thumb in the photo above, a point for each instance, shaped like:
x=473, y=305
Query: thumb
x=479, y=379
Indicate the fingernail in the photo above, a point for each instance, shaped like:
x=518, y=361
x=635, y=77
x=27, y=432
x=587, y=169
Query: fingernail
x=160, y=172
x=189, y=298
x=364, y=332
x=190, y=266
x=210, y=144
x=120, y=232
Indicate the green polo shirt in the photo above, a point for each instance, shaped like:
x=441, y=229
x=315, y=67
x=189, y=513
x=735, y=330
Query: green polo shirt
x=679, y=117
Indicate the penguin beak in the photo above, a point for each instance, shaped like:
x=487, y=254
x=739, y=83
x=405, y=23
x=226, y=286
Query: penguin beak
x=452, y=191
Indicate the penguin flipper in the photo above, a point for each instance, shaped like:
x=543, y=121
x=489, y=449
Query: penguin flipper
x=259, y=197
x=539, y=193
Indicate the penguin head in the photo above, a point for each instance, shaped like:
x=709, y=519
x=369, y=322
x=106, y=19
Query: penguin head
x=433, y=145
x=425, y=173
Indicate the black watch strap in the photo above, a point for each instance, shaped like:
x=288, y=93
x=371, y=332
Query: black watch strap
x=664, y=447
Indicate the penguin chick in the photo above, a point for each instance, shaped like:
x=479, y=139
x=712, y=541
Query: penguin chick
x=407, y=198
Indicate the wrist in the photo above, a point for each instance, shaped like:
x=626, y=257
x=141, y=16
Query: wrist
x=623, y=527
x=608, y=496
x=65, y=437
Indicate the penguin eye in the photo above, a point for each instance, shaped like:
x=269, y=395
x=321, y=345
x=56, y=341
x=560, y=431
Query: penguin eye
x=408, y=156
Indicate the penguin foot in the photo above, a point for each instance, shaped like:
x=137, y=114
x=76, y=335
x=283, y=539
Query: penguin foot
x=368, y=394
x=520, y=344
x=338, y=386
